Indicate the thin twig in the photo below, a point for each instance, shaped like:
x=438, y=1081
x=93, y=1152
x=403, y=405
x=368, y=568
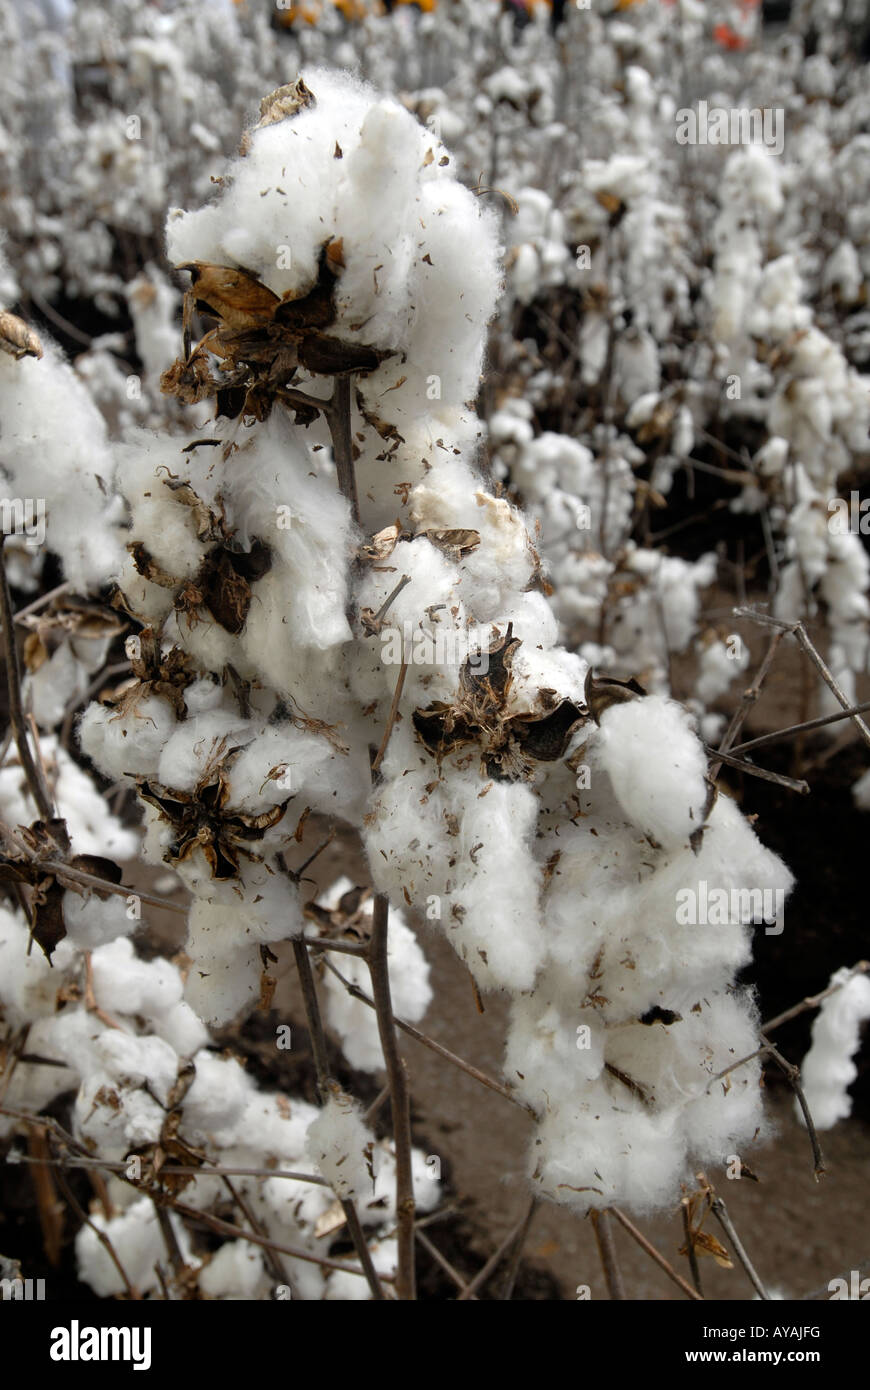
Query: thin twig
x=742, y=766
x=325, y=1086
x=400, y=1099
x=513, y=1267
x=437, y=1047
x=495, y=1259
x=441, y=1261
x=813, y=1001
x=42, y=601
x=655, y=1255
x=690, y=1249
x=793, y=1074
x=35, y=779
x=720, y=1211
x=803, y=728
x=391, y=717
x=607, y=1252
x=799, y=632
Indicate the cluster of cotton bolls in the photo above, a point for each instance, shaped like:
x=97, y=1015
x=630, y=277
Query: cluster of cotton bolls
x=465, y=822
x=124, y=1058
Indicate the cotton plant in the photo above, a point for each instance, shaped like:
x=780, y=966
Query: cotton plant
x=330, y=607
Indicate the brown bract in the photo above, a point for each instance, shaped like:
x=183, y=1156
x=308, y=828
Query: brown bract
x=46, y=843
x=222, y=584
x=202, y=819
x=18, y=338
x=167, y=674
x=605, y=691
x=509, y=744
x=67, y=618
x=261, y=341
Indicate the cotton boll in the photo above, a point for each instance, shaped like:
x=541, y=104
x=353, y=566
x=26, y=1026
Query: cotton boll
x=215, y=1102
x=126, y=745
x=55, y=449
x=225, y=975
x=720, y=663
x=656, y=765
x=284, y=762
x=340, y=1144
x=626, y=1156
x=378, y=1207
x=180, y=1027
x=113, y=1113
x=828, y=1069
x=28, y=983
x=153, y=303
x=187, y=753
x=353, y=1021
x=467, y=863
x=137, y=1240
x=59, y=682
x=92, y=827
x=124, y=984
x=90, y=920
x=236, y=1271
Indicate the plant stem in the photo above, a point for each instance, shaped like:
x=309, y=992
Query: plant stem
x=35, y=779
x=400, y=1098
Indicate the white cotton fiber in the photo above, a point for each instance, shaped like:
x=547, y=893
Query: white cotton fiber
x=340, y=1144
x=236, y=1271
x=138, y=1243
x=354, y=1022
x=828, y=1068
x=656, y=765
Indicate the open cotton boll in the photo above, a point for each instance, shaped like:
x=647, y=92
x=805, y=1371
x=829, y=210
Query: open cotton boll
x=720, y=664
x=463, y=858
x=354, y=1022
x=605, y=1151
x=215, y=1101
x=657, y=766
x=55, y=449
x=340, y=1143
x=828, y=1068
x=125, y=984
x=91, y=920
x=194, y=746
x=225, y=975
x=284, y=762
x=378, y=1208
x=92, y=827
x=137, y=1240
x=180, y=1027
x=235, y=1271
x=112, y=1120
x=28, y=983
x=127, y=745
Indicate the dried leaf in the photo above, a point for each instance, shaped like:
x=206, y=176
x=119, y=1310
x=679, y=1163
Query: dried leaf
x=18, y=338
x=601, y=693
